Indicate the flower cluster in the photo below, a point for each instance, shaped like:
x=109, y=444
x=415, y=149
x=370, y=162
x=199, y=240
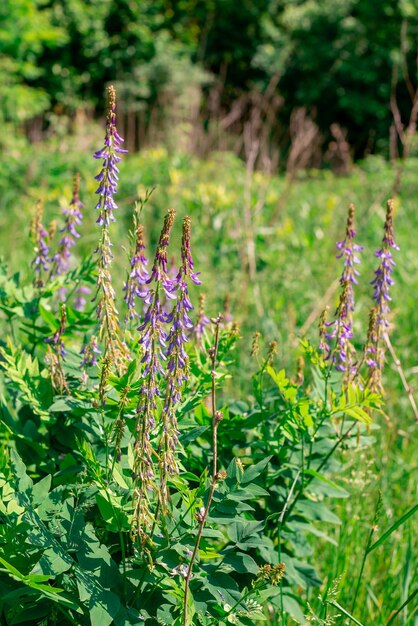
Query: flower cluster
x=153, y=340
x=379, y=316
x=136, y=284
x=57, y=352
x=73, y=218
x=108, y=176
x=41, y=238
x=202, y=321
x=341, y=329
x=177, y=359
x=271, y=574
x=80, y=300
x=90, y=352
x=107, y=314
x=383, y=275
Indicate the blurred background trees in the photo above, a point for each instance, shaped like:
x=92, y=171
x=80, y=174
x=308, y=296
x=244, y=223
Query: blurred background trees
x=312, y=77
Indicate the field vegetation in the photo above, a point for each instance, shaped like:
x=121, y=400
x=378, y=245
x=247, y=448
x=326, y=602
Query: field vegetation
x=208, y=347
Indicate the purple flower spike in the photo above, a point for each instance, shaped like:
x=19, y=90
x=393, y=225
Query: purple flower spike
x=73, y=218
x=90, y=352
x=153, y=339
x=374, y=350
x=57, y=352
x=40, y=236
x=177, y=359
x=136, y=284
x=341, y=329
x=383, y=275
x=110, y=332
x=108, y=176
x=202, y=321
x=80, y=300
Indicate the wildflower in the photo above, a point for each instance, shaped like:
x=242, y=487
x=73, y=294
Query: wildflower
x=383, y=275
x=135, y=286
x=90, y=352
x=56, y=353
x=374, y=350
x=73, y=218
x=104, y=377
x=180, y=570
x=341, y=329
x=80, y=300
x=202, y=321
x=255, y=344
x=200, y=515
x=272, y=574
x=177, y=359
x=108, y=176
x=153, y=340
x=322, y=326
x=272, y=351
x=41, y=262
x=107, y=313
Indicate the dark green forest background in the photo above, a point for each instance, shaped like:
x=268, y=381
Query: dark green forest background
x=338, y=75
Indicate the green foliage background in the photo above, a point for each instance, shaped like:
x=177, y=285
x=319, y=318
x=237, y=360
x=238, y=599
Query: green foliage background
x=335, y=58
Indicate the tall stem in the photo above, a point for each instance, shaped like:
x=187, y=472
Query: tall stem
x=216, y=418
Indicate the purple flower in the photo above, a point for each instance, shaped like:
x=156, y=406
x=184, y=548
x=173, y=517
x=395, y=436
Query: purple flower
x=177, y=359
x=153, y=340
x=56, y=353
x=202, y=321
x=73, y=218
x=90, y=352
x=153, y=335
x=56, y=340
x=374, y=350
x=383, y=275
x=80, y=300
x=109, y=331
x=108, y=176
x=136, y=284
x=340, y=330
x=41, y=238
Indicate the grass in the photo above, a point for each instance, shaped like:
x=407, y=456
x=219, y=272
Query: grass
x=271, y=250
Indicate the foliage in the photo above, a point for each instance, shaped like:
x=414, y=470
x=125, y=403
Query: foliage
x=65, y=542
x=283, y=451
x=339, y=62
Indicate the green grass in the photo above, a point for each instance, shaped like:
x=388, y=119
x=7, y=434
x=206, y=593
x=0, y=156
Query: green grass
x=292, y=233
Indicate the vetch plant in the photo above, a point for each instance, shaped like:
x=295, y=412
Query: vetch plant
x=107, y=313
x=134, y=488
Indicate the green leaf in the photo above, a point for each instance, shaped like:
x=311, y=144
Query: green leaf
x=358, y=414
x=49, y=317
x=392, y=529
x=346, y=613
x=335, y=490
x=19, y=469
x=103, y=605
x=241, y=563
x=41, y=489
x=51, y=563
x=252, y=472
x=316, y=511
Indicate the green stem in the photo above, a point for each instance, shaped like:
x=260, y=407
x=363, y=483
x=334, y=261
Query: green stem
x=122, y=547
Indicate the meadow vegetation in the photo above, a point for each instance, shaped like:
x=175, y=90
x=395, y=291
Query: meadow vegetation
x=163, y=464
